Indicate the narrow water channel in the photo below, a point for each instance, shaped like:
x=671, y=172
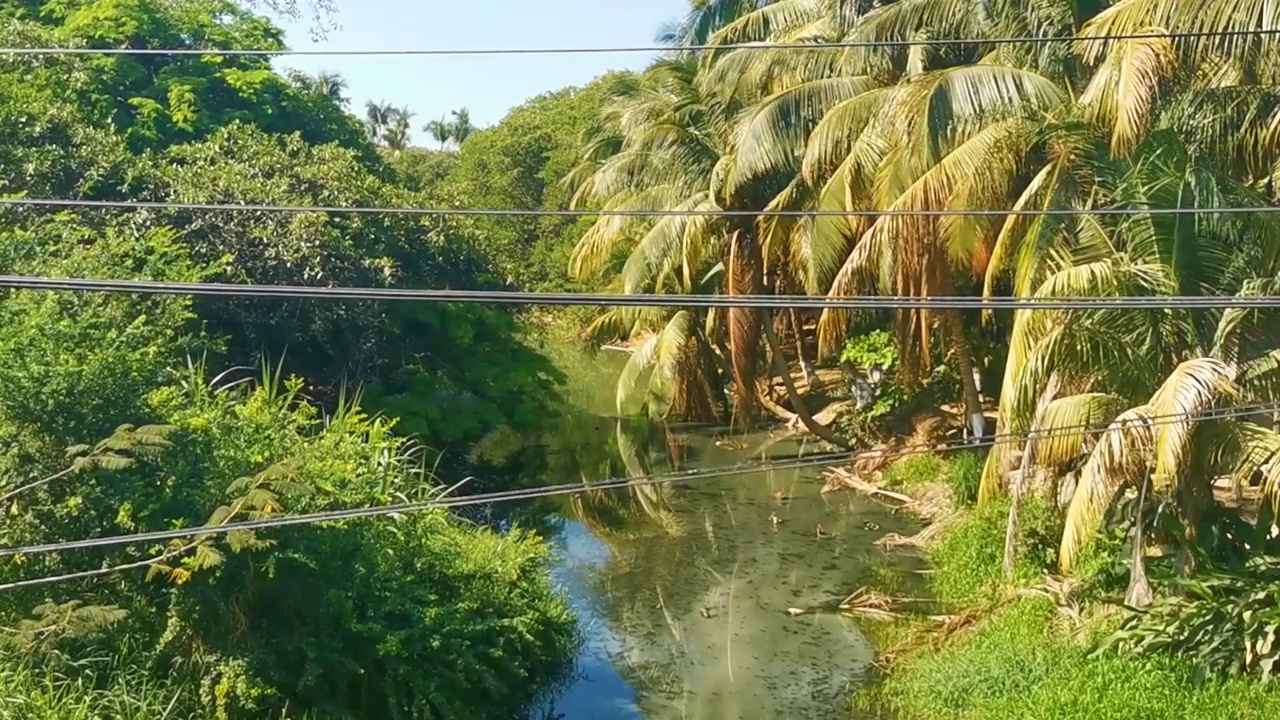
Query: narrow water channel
x=684, y=591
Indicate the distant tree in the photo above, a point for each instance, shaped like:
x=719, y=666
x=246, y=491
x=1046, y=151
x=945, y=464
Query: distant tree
x=461, y=127
x=397, y=134
x=377, y=118
x=441, y=130
x=329, y=85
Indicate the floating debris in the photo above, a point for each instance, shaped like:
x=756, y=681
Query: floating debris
x=773, y=518
x=822, y=533
x=795, y=612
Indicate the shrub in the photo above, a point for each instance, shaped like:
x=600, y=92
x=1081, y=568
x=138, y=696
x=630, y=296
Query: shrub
x=966, y=475
x=1224, y=622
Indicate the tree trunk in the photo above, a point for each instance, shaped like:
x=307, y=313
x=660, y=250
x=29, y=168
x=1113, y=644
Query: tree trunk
x=780, y=366
x=977, y=423
x=1139, y=594
x=1019, y=484
x=806, y=367
x=744, y=277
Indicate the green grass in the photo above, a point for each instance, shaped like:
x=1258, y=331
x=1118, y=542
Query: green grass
x=962, y=471
x=1016, y=666
x=968, y=560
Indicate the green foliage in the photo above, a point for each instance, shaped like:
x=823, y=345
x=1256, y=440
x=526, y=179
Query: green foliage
x=965, y=475
x=968, y=559
x=1018, y=666
x=519, y=164
x=114, y=689
x=916, y=470
x=1224, y=622
x=876, y=349
x=410, y=616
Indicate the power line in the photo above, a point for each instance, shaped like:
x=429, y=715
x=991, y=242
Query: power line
x=515, y=297
x=824, y=460
x=639, y=213
x=809, y=46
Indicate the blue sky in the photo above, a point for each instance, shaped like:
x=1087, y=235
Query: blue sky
x=488, y=85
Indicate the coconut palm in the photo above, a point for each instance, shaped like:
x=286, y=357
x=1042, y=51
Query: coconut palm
x=397, y=133
x=461, y=127
x=378, y=116
x=440, y=130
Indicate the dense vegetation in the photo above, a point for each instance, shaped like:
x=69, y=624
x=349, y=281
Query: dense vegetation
x=123, y=414
x=1133, y=126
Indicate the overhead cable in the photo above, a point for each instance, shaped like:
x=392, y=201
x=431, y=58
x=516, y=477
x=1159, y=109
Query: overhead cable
x=685, y=477
x=516, y=297
x=605, y=50
x=629, y=213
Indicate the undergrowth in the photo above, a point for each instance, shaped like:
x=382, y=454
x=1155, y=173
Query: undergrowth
x=1017, y=666
x=1021, y=662
x=968, y=561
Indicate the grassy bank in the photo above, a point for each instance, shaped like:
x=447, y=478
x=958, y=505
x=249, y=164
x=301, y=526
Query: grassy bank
x=1021, y=655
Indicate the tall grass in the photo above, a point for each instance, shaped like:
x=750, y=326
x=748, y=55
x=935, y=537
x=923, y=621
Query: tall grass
x=100, y=689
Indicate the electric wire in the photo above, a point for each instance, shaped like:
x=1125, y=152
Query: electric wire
x=517, y=297
x=626, y=213
x=753, y=467
x=609, y=50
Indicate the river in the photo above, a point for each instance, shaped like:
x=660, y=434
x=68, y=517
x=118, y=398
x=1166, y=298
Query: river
x=684, y=590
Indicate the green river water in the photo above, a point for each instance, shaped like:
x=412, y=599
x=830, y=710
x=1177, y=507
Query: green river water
x=683, y=590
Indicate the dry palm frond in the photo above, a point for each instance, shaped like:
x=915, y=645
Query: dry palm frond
x=1120, y=458
x=1123, y=91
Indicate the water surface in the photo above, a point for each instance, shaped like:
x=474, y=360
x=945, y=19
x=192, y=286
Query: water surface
x=684, y=590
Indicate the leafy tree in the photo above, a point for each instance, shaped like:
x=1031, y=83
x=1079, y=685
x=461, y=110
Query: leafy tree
x=160, y=100
x=518, y=165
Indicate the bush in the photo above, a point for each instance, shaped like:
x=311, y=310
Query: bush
x=1224, y=623
x=413, y=616
x=1015, y=666
x=968, y=560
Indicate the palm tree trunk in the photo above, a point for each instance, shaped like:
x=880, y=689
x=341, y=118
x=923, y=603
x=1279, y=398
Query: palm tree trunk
x=968, y=383
x=744, y=277
x=1019, y=485
x=1139, y=594
x=806, y=367
x=797, y=404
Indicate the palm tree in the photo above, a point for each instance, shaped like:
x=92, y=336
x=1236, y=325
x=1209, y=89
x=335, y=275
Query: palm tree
x=1185, y=122
x=441, y=130
x=378, y=117
x=331, y=85
x=461, y=127
x=397, y=134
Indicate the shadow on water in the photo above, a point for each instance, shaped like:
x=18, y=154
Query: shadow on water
x=683, y=589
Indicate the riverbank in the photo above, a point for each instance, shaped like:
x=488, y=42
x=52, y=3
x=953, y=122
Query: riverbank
x=1025, y=650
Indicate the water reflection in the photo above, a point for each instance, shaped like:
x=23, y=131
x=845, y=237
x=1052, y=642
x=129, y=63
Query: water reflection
x=684, y=590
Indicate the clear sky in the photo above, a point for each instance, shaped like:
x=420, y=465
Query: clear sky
x=488, y=85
